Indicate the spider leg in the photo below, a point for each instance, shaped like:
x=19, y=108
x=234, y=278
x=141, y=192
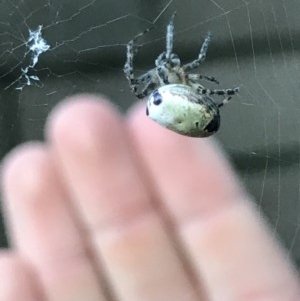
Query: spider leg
x=163, y=75
x=149, y=86
x=232, y=91
x=223, y=102
x=202, y=54
x=145, y=78
x=128, y=67
x=169, y=37
x=196, y=77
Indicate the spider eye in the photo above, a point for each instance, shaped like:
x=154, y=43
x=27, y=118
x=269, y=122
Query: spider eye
x=157, y=99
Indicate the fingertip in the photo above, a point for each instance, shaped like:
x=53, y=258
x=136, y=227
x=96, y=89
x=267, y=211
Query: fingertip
x=17, y=166
x=70, y=116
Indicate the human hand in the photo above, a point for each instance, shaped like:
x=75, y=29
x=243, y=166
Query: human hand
x=121, y=209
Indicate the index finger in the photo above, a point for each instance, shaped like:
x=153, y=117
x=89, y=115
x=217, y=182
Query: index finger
x=228, y=244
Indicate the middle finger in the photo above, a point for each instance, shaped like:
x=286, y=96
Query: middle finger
x=100, y=170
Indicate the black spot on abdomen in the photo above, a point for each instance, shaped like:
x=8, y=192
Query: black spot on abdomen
x=214, y=125
x=157, y=98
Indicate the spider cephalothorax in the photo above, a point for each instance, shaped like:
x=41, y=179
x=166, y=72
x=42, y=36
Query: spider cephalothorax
x=184, y=105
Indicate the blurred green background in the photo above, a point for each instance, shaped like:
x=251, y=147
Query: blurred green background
x=255, y=46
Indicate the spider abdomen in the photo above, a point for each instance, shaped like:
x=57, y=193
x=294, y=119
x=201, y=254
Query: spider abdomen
x=178, y=100
x=179, y=108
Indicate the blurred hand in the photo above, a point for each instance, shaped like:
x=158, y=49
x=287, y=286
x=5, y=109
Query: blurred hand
x=109, y=208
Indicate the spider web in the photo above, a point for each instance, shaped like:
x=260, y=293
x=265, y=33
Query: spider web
x=57, y=48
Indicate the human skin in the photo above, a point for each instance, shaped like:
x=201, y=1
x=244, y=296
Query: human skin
x=119, y=208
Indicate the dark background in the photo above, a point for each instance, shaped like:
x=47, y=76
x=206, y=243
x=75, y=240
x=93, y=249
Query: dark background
x=255, y=46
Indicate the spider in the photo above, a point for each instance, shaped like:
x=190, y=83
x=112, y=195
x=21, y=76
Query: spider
x=177, y=100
